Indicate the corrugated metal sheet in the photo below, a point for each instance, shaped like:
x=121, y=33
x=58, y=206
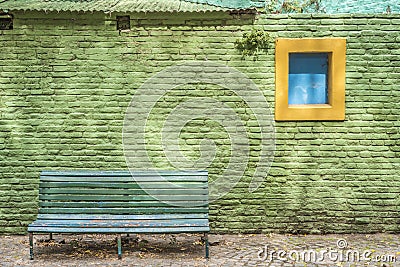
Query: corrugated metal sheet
x=237, y=4
x=361, y=6
x=356, y=6
x=328, y=6
x=109, y=6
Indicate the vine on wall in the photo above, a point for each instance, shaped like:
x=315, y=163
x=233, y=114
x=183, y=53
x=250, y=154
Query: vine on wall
x=252, y=42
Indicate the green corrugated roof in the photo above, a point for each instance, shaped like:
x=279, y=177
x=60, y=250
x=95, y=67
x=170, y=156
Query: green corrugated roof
x=361, y=6
x=110, y=6
x=327, y=6
x=237, y=4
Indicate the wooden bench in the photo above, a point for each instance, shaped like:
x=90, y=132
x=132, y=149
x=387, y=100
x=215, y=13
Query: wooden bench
x=119, y=202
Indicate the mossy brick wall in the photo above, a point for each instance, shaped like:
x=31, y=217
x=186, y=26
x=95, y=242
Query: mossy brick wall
x=66, y=80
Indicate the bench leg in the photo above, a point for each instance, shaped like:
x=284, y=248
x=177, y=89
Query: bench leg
x=119, y=246
x=31, y=246
x=206, y=245
x=51, y=236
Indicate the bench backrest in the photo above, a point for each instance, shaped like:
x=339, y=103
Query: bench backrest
x=67, y=194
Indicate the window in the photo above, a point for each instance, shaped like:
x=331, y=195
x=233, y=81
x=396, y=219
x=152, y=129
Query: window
x=123, y=23
x=310, y=79
x=6, y=22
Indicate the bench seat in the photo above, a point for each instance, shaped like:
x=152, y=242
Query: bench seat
x=120, y=226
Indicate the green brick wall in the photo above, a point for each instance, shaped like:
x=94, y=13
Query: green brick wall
x=66, y=80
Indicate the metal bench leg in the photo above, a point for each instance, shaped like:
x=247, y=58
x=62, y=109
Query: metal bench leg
x=206, y=245
x=119, y=247
x=51, y=236
x=31, y=246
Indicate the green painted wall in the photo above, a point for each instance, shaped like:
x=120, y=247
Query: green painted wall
x=66, y=80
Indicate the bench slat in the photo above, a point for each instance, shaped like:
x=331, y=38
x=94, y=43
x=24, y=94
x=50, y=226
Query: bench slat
x=123, y=179
x=121, y=217
x=125, y=210
x=105, y=204
x=144, y=176
x=133, y=192
x=121, y=223
x=122, y=185
x=123, y=173
x=122, y=230
x=122, y=197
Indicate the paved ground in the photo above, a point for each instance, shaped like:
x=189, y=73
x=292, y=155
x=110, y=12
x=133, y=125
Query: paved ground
x=187, y=250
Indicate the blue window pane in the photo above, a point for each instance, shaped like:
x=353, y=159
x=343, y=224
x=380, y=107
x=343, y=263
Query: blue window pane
x=308, y=78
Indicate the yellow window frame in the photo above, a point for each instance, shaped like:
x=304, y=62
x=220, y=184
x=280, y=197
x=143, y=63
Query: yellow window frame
x=335, y=109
